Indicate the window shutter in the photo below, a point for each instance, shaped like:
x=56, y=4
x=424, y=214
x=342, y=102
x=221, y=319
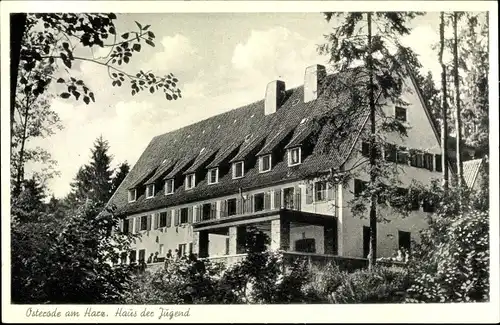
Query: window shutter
x=137, y=224
x=148, y=228
x=267, y=201
x=199, y=209
x=177, y=217
x=248, y=204
x=213, y=209
x=120, y=225
x=239, y=206
x=223, y=208
x=169, y=218
x=439, y=165
x=330, y=193
x=157, y=220
x=309, y=193
x=277, y=199
x=297, y=198
x=190, y=214
x=131, y=225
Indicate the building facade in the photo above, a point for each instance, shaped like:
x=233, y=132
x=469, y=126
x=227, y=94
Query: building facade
x=197, y=189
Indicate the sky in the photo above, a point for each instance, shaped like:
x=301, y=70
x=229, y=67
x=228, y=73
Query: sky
x=223, y=61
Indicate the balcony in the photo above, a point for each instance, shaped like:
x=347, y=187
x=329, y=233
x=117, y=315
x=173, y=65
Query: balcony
x=246, y=206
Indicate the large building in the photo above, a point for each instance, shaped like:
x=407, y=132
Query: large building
x=197, y=189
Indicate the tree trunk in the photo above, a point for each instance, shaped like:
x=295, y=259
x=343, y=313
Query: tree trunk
x=20, y=163
x=444, y=107
x=458, y=119
x=17, y=25
x=373, y=208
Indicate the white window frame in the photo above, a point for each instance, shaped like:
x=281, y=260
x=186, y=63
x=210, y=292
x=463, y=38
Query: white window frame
x=150, y=195
x=210, y=174
x=130, y=194
x=325, y=191
x=242, y=169
x=189, y=186
x=171, y=180
x=261, y=163
x=290, y=155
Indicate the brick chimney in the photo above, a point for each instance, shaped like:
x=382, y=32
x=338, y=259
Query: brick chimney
x=275, y=93
x=313, y=77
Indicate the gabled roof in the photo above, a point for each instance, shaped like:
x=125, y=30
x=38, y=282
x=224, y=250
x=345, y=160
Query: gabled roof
x=305, y=128
x=471, y=170
x=273, y=140
x=162, y=169
x=200, y=160
x=143, y=177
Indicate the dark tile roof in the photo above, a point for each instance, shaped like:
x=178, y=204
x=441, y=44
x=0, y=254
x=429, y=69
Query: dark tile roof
x=162, y=169
x=223, y=134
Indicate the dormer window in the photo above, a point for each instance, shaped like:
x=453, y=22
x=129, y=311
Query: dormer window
x=238, y=171
x=264, y=163
x=213, y=176
x=401, y=113
x=132, y=195
x=150, y=191
x=190, y=181
x=169, y=186
x=294, y=156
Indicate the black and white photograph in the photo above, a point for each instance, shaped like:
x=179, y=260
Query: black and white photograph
x=168, y=156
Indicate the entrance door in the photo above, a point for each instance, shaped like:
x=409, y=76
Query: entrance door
x=306, y=245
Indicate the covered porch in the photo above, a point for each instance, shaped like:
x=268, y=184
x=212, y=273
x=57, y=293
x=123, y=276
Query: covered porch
x=288, y=230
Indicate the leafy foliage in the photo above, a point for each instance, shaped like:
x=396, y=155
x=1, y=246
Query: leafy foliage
x=68, y=261
x=451, y=263
x=56, y=38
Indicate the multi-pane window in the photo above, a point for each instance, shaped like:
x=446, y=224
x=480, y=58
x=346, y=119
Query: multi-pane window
x=213, y=176
x=401, y=113
x=231, y=207
x=294, y=156
x=404, y=239
x=320, y=191
x=142, y=255
x=132, y=256
x=169, y=186
x=365, y=149
x=402, y=155
x=184, y=215
x=288, y=197
x=132, y=195
x=144, y=222
x=150, y=191
x=126, y=228
x=258, y=201
x=265, y=163
x=190, y=181
x=163, y=219
x=390, y=152
x=182, y=250
x=238, y=170
x=206, y=211
x=359, y=187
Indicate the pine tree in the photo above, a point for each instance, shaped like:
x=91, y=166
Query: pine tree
x=371, y=38
x=27, y=205
x=93, y=181
x=119, y=176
